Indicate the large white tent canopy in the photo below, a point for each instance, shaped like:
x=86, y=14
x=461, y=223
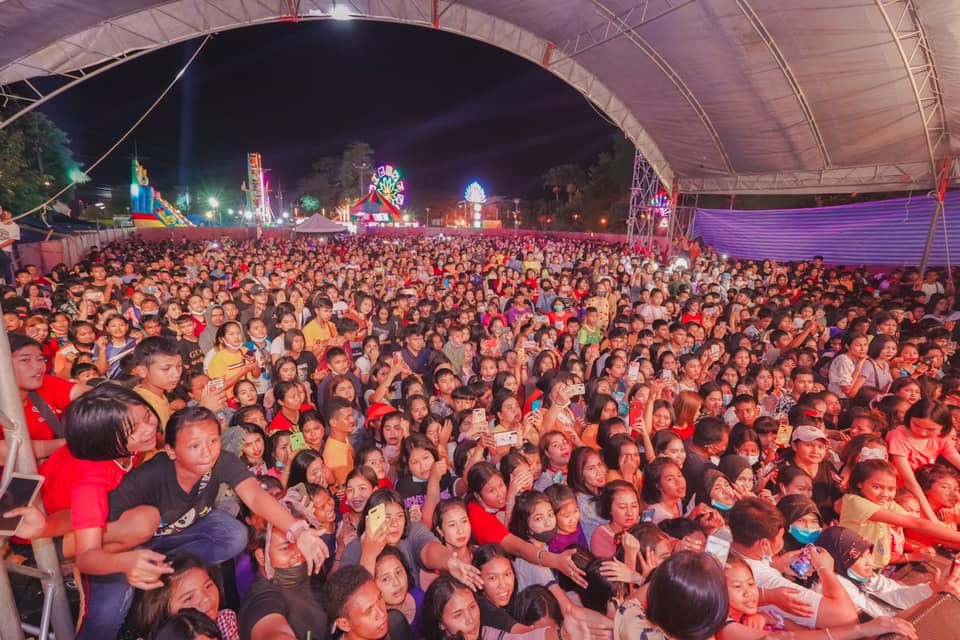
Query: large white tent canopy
x=720, y=96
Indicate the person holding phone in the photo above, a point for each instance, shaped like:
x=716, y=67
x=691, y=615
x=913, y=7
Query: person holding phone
x=230, y=361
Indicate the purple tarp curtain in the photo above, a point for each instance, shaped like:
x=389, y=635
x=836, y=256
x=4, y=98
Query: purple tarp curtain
x=887, y=232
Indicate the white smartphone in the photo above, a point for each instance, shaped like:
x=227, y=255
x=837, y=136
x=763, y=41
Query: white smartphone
x=506, y=438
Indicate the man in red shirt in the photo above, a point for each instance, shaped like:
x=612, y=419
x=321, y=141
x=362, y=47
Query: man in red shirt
x=29, y=367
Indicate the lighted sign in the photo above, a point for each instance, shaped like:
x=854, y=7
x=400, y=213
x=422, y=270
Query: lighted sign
x=475, y=194
x=388, y=182
x=660, y=207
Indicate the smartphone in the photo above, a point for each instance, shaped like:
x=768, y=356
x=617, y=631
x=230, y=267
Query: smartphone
x=376, y=517
x=480, y=417
x=506, y=438
x=214, y=385
x=633, y=371
x=718, y=545
x=667, y=375
x=297, y=442
x=636, y=411
x=397, y=357
x=21, y=492
x=521, y=353
x=715, y=351
x=528, y=344
x=802, y=565
x=784, y=431
x=575, y=390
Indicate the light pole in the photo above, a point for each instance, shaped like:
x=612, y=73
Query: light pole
x=361, y=166
x=516, y=214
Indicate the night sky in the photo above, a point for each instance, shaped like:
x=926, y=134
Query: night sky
x=443, y=108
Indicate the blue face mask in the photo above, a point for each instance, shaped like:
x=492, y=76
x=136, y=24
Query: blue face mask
x=856, y=577
x=804, y=536
x=727, y=399
x=721, y=507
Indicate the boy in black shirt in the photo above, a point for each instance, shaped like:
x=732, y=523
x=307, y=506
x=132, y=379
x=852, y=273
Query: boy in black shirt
x=188, y=344
x=182, y=483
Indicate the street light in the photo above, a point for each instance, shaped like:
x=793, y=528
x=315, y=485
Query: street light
x=213, y=202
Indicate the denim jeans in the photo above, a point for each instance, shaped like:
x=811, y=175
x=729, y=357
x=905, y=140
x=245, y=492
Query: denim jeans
x=215, y=538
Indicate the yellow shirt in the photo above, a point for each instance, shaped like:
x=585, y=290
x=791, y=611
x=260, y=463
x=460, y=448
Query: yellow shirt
x=158, y=402
x=314, y=332
x=855, y=512
x=223, y=364
x=338, y=456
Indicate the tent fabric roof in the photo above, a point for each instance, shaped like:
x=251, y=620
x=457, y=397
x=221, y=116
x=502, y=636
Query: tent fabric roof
x=372, y=203
x=728, y=96
x=318, y=223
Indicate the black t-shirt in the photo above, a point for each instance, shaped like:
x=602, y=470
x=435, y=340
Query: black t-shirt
x=415, y=493
x=493, y=616
x=306, y=365
x=694, y=469
x=191, y=353
x=302, y=610
x=155, y=483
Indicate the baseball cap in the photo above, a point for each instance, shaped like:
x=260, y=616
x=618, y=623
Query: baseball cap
x=378, y=410
x=257, y=289
x=806, y=433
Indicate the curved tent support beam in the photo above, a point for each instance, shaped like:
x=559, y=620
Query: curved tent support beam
x=907, y=31
x=791, y=78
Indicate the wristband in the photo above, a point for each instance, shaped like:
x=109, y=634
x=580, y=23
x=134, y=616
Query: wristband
x=295, y=529
x=540, y=557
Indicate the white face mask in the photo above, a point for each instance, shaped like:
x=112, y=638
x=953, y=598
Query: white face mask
x=233, y=347
x=752, y=459
x=715, y=459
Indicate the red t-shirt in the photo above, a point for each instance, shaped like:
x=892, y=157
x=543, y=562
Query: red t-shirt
x=79, y=485
x=56, y=392
x=485, y=526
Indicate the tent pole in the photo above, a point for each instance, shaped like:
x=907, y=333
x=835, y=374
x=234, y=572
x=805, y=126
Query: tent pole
x=931, y=232
x=943, y=177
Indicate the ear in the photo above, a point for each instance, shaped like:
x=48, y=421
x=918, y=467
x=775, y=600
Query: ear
x=343, y=624
x=258, y=555
x=140, y=371
x=171, y=452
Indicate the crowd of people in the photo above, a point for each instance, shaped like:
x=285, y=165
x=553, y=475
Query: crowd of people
x=488, y=438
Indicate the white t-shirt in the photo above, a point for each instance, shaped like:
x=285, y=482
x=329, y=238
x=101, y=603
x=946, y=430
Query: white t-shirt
x=9, y=231
x=767, y=577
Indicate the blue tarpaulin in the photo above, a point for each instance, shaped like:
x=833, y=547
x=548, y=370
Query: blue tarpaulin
x=885, y=232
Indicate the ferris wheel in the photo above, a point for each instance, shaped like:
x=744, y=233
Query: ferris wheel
x=389, y=183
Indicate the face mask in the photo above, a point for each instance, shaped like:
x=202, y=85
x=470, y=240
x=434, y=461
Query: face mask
x=727, y=399
x=418, y=480
x=715, y=459
x=767, y=558
x=233, y=347
x=558, y=308
x=804, y=536
x=720, y=506
x=751, y=459
x=856, y=577
x=288, y=577
x=546, y=536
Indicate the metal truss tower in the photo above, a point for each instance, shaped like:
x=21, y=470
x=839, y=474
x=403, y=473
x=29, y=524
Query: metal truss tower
x=641, y=222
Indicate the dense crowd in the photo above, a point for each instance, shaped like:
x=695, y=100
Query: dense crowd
x=489, y=437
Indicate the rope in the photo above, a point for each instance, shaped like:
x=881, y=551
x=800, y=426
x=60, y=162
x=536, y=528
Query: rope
x=126, y=135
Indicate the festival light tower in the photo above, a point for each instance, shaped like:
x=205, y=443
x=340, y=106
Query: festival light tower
x=476, y=196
